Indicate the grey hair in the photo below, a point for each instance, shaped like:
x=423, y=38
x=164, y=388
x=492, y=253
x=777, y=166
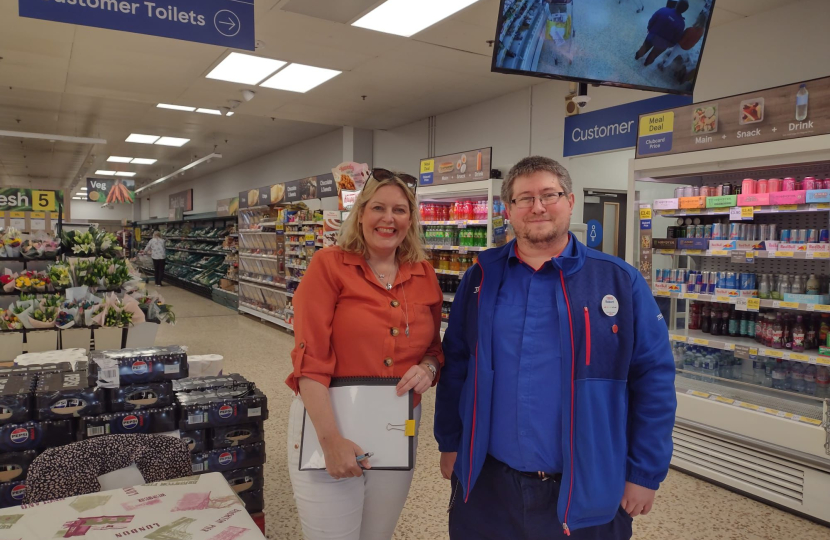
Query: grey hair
x=534, y=164
x=157, y=234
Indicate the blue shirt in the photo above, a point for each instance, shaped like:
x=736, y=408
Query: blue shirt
x=668, y=24
x=526, y=420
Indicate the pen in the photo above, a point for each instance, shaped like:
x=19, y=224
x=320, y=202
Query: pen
x=367, y=455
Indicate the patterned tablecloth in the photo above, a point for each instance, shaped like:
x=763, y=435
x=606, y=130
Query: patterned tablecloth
x=195, y=508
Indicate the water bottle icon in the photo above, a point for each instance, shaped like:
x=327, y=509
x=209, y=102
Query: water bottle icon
x=801, y=100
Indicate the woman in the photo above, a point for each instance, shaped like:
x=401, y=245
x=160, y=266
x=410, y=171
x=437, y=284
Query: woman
x=370, y=307
x=155, y=247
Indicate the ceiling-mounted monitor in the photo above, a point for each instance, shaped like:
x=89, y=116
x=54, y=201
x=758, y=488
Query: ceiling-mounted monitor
x=645, y=44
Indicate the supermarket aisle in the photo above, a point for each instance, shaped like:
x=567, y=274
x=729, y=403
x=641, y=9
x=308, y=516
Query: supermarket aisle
x=686, y=508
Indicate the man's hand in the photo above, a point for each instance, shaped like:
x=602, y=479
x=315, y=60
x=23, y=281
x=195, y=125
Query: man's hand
x=636, y=500
x=447, y=463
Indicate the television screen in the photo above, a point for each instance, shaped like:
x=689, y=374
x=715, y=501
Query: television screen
x=646, y=44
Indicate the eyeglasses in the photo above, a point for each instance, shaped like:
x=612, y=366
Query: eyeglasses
x=547, y=199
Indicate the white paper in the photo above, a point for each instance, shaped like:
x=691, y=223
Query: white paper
x=121, y=478
x=37, y=224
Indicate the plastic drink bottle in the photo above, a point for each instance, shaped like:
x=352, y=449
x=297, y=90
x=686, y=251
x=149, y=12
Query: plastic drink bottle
x=801, y=100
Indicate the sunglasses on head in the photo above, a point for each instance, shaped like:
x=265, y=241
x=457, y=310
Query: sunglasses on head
x=382, y=175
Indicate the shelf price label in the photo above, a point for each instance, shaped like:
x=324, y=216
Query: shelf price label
x=724, y=299
x=679, y=338
x=788, y=305
x=724, y=400
x=666, y=251
x=663, y=293
x=753, y=304
x=645, y=213
x=821, y=255
x=787, y=207
x=822, y=307
x=698, y=394
x=701, y=341
x=693, y=251
x=692, y=210
x=719, y=253
x=750, y=406
x=691, y=296
x=812, y=421
x=784, y=254
x=773, y=353
x=799, y=357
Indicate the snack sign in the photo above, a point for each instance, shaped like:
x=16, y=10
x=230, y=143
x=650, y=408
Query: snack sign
x=467, y=166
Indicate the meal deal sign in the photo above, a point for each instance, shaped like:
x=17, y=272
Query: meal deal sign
x=454, y=168
x=227, y=23
x=786, y=112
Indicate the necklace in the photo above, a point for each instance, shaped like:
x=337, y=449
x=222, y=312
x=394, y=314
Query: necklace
x=382, y=277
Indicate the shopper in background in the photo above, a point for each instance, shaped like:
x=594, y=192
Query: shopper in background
x=155, y=248
x=370, y=307
x=555, y=408
x=665, y=28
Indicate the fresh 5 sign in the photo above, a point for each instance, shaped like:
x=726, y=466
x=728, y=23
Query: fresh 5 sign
x=613, y=128
x=227, y=23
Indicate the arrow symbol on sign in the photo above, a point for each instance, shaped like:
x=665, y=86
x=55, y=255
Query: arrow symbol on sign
x=231, y=23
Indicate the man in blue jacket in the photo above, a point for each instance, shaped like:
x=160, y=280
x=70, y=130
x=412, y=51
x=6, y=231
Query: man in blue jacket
x=555, y=408
x=665, y=28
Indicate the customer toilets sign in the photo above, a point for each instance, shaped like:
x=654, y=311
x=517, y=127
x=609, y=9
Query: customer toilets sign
x=228, y=23
x=613, y=128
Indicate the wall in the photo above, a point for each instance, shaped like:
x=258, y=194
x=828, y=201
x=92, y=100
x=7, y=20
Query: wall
x=92, y=211
x=308, y=158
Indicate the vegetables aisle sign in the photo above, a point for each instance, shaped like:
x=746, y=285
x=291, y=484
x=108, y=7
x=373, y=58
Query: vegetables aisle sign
x=25, y=200
x=110, y=191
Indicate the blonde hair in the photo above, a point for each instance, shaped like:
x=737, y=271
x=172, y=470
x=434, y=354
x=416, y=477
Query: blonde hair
x=351, y=237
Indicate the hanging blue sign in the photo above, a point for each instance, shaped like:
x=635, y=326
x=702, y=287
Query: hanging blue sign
x=594, y=234
x=227, y=23
x=613, y=128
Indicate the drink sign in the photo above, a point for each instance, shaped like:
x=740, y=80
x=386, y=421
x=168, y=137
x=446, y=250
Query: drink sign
x=454, y=168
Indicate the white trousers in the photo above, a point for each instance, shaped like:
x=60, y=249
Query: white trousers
x=363, y=508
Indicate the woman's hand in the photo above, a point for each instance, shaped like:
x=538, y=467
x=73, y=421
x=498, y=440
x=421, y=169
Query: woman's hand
x=340, y=457
x=418, y=378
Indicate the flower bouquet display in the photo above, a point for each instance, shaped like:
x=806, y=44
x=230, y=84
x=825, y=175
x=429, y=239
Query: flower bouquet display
x=154, y=307
x=118, y=313
x=43, y=317
x=7, y=281
x=60, y=274
x=78, y=243
x=9, y=321
x=84, y=271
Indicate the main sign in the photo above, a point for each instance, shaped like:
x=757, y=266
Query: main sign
x=24, y=200
x=454, y=168
x=227, y=23
x=776, y=114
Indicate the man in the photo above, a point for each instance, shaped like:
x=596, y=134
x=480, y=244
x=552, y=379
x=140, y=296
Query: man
x=556, y=404
x=665, y=28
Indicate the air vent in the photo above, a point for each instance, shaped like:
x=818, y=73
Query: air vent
x=743, y=464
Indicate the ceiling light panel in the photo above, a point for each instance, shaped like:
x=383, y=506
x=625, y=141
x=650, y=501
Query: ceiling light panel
x=408, y=17
x=172, y=141
x=142, y=139
x=83, y=189
x=209, y=111
x=143, y=161
x=119, y=159
x=130, y=174
x=175, y=107
x=244, y=68
x=105, y=173
x=300, y=78
x=230, y=114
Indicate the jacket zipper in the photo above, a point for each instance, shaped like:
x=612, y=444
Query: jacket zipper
x=587, y=337
x=475, y=398
x=573, y=366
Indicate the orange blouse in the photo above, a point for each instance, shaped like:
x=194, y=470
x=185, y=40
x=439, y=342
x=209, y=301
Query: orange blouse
x=346, y=324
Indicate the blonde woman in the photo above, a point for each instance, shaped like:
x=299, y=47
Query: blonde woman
x=370, y=307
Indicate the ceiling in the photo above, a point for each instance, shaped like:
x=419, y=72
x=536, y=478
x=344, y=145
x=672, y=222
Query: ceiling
x=89, y=82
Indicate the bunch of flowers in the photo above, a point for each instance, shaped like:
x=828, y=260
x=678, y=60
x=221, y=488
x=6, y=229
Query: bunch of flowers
x=115, y=272
x=90, y=243
x=7, y=282
x=9, y=321
x=85, y=273
x=39, y=248
x=61, y=275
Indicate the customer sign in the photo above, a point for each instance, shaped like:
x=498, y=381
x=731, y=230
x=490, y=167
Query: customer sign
x=228, y=23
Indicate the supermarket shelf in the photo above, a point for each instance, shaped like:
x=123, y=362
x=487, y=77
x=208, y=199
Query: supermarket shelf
x=251, y=256
x=256, y=231
x=449, y=272
x=195, y=238
x=301, y=233
x=244, y=308
x=449, y=297
x=319, y=244
x=775, y=304
x=758, y=254
x=785, y=405
x=261, y=282
x=234, y=235
x=297, y=266
x=457, y=222
x=206, y=252
x=456, y=248
x=696, y=337
x=318, y=223
x=779, y=209
x=289, y=278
